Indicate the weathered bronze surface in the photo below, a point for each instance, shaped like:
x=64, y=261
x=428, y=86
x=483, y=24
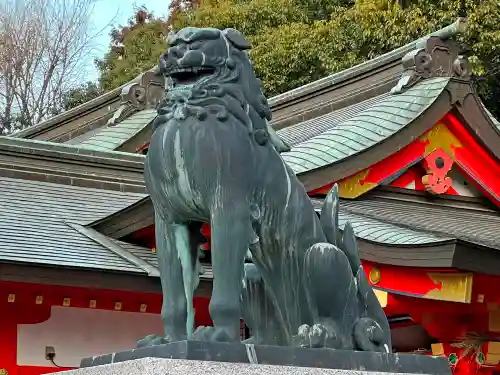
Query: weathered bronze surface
x=213, y=158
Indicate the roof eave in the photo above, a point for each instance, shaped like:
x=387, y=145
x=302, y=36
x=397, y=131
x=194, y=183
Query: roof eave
x=404, y=256
x=72, y=165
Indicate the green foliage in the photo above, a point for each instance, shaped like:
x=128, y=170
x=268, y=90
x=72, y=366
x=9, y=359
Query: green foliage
x=80, y=95
x=250, y=17
x=297, y=41
x=134, y=49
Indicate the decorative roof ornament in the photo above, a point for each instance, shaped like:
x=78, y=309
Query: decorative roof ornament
x=437, y=55
x=145, y=92
x=438, y=164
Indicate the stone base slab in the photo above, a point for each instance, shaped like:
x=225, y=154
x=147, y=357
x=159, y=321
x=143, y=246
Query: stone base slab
x=160, y=366
x=282, y=356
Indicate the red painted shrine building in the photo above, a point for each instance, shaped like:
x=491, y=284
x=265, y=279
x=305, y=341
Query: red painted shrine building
x=417, y=160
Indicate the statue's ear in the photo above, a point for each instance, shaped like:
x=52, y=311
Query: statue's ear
x=171, y=37
x=236, y=38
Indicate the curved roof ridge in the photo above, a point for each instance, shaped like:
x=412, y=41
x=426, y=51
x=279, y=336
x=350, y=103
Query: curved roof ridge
x=447, y=32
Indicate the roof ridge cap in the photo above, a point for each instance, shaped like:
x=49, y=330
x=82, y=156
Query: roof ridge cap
x=115, y=248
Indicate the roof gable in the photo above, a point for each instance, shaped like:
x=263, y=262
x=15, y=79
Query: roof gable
x=448, y=139
x=108, y=109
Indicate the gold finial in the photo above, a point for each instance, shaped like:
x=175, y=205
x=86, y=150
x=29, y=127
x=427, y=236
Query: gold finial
x=375, y=276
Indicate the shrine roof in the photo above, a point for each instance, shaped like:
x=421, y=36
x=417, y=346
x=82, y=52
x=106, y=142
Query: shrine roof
x=479, y=227
x=305, y=130
x=47, y=224
x=60, y=223
x=299, y=134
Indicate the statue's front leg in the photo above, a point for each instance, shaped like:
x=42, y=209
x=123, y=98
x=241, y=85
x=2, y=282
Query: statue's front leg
x=170, y=238
x=231, y=231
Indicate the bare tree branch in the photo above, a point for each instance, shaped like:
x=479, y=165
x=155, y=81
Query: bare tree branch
x=44, y=49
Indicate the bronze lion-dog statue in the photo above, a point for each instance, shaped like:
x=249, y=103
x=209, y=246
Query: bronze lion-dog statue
x=214, y=158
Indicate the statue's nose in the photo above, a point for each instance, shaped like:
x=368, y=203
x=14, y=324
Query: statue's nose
x=191, y=58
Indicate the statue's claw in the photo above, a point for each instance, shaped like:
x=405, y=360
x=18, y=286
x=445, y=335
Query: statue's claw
x=151, y=340
x=317, y=336
x=211, y=334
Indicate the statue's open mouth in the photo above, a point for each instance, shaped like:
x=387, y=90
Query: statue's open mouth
x=189, y=76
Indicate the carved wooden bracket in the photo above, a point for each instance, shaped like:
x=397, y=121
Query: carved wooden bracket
x=434, y=57
x=438, y=163
x=146, y=92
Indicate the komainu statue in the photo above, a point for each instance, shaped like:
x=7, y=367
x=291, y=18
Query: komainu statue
x=213, y=158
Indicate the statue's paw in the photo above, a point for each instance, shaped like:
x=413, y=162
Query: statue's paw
x=369, y=336
x=211, y=334
x=152, y=340
x=317, y=336
x=251, y=340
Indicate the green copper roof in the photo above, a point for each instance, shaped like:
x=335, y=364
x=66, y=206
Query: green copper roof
x=430, y=219
x=377, y=231
x=305, y=130
x=112, y=137
x=370, y=127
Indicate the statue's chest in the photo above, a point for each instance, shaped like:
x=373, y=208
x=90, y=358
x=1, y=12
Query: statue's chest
x=171, y=169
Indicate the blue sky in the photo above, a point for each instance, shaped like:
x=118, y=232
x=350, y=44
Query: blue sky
x=117, y=12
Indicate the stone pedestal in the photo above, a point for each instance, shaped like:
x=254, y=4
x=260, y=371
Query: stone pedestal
x=160, y=366
x=228, y=359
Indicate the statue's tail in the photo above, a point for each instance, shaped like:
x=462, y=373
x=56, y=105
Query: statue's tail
x=330, y=224
x=371, y=330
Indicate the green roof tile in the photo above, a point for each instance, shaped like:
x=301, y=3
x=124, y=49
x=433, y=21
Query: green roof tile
x=385, y=233
x=427, y=219
x=375, y=230
x=112, y=137
x=370, y=127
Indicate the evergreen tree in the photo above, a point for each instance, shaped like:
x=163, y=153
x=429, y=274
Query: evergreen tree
x=297, y=41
